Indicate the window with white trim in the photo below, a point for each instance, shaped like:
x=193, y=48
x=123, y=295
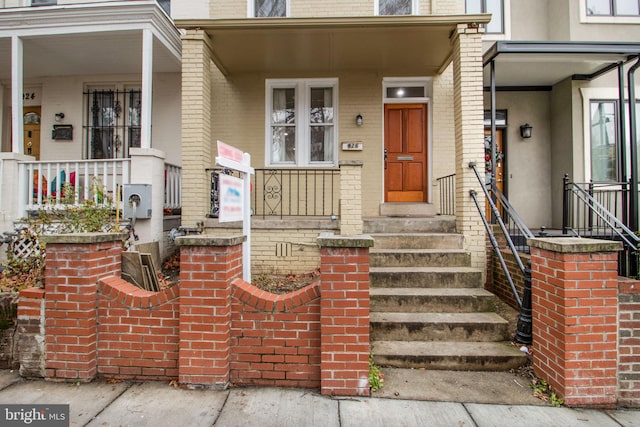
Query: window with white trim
x=301, y=122
x=43, y=2
x=603, y=123
x=268, y=8
x=494, y=7
x=613, y=7
x=396, y=7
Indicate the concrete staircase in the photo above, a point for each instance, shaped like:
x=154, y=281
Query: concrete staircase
x=428, y=306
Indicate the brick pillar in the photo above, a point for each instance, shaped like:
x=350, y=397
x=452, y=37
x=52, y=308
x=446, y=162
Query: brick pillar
x=344, y=315
x=351, y=198
x=208, y=264
x=29, y=351
x=74, y=264
x=629, y=342
x=197, y=146
x=575, y=318
x=469, y=133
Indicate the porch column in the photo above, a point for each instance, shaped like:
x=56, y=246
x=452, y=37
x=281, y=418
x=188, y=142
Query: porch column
x=197, y=151
x=350, y=197
x=16, y=95
x=147, y=88
x=469, y=133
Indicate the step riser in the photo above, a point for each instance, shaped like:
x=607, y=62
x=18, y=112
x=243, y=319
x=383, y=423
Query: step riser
x=409, y=225
x=426, y=280
x=429, y=259
x=431, y=304
x=428, y=241
x=460, y=363
x=418, y=331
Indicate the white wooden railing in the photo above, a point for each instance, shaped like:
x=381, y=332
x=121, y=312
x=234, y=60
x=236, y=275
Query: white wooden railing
x=43, y=182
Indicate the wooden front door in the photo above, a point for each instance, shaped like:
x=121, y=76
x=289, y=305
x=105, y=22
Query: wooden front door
x=31, y=117
x=405, y=151
x=500, y=166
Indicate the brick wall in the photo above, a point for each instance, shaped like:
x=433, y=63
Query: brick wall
x=137, y=331
x=275, y=339
x=575, y=315
x=29, y=338
x=629, y=342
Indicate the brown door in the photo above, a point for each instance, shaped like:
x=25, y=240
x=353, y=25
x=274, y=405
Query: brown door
x=405, y=148
x=500, y=166
x=31, y=119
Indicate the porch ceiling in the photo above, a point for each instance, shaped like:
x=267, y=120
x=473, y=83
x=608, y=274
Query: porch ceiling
x=543, y=64
x=407, y=45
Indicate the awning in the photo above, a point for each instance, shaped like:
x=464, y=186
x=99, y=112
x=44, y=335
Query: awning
x=389, y=45
x=526, y=64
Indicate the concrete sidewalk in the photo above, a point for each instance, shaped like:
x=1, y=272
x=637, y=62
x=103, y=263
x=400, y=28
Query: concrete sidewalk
x=159, y=404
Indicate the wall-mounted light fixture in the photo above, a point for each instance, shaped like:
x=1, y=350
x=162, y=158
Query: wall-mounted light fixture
x=525, y=130
x=359, y=120
x=59, y=116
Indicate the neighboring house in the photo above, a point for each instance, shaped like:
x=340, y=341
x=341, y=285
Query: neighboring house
x=88, y=89
x=309, y=87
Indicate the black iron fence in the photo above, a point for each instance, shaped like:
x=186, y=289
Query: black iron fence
x=599, y=210
x=287, y=192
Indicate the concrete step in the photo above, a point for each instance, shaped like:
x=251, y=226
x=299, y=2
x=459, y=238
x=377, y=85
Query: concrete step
x=425, y=277
x=395, y=326
x=418, y=241
x=404, y=209
x=419, y=258
x=382, y=224
x=444, y=355
x=433, y=300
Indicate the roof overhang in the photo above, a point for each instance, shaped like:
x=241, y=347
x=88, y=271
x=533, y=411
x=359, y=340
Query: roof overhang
x=526, y=64
x=389, y=45
x=91, y=38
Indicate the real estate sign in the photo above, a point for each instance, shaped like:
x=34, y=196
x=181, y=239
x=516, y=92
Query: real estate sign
x=231, y=199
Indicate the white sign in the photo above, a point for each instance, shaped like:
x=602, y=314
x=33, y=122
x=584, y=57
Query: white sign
x=231, y=198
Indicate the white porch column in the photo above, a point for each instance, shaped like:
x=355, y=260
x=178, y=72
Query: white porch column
x=469, y=133
x=12, y=190
x=147, y=167
x=147, y=88
x=16, y=95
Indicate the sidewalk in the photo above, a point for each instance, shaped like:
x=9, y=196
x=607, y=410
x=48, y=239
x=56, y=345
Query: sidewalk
x=158, y=404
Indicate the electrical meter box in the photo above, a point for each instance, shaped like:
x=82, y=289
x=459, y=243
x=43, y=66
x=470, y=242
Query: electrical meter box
x=136, y=201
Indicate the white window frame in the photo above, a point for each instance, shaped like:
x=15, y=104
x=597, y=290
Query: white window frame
x=415, y=8
x=303, y=127
x=251, y=10
x=601, y=19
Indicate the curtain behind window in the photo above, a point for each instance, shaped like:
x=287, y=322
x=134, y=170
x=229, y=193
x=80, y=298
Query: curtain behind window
x=270, y=8
x=394, y=7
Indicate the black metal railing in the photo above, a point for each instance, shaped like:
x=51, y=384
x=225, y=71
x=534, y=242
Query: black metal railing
x=599, y=210
x=287, y=192
x=447, y=193
x=523, y=333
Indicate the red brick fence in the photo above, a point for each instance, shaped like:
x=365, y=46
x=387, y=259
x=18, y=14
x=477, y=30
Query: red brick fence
x=210, y=330
x=214, y=330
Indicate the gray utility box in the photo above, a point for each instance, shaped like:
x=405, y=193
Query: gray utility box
x=138, y=195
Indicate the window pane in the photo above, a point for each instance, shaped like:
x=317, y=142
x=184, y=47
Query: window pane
x=283, y=144
x=133, y=119
x=166, y=5
x=43, y=2
x=321, y=105
x=103, y=121
x=270, y=8
x=321, y=143
x=627, y=7
x=394, y=7
x=474, y=6
x=603, y=142
x=598, y=7
x=405, y=92
x=494, y=7
x=284, y=104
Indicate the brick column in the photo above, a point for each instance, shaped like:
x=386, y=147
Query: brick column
x=351, y=198
x=344, y=315
x=208, y=264
x=74, y=264
x=469, y=133
x=29, y=349
x=197, y=151
x=575, y=318
x=629, y=342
